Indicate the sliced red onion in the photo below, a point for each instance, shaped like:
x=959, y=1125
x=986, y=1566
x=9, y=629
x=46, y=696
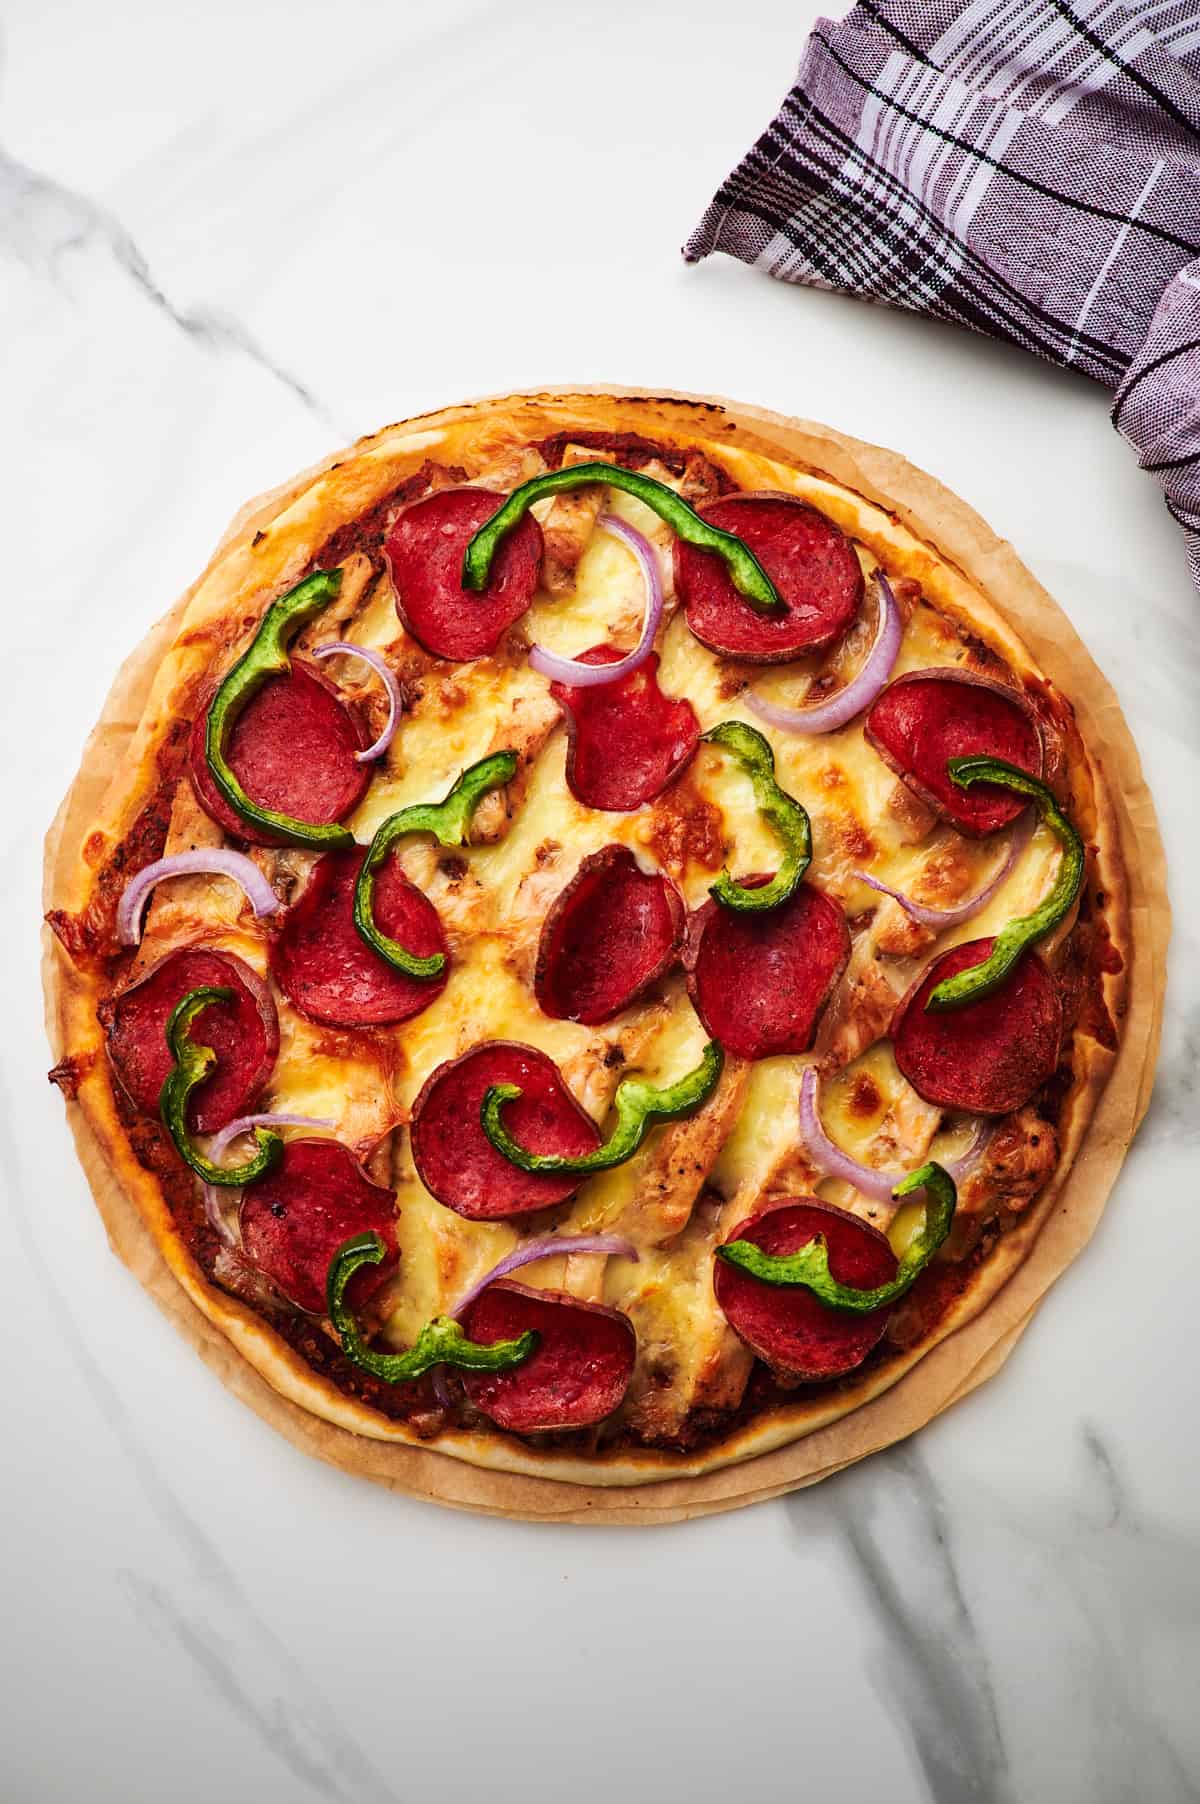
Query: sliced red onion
x=548, y=1246
x=834, y=1163
x=214, y=1196
x=590, y=676
x=343, y=648
x=939, y=918
x=212, y=862
x=859, y=692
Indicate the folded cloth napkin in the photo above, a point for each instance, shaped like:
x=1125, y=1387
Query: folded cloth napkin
x=1029, y=168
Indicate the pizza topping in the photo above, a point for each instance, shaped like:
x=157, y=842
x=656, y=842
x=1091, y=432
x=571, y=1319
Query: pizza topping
x=440, y=1342
x=984, y=979
x=243, y=1034
x=577, y=674
x=276, y=739
x=214, y=1202
x=328, y=971
x=787, y=1327
x=548, y=1246
x=454, y=1158
x=809, y=1265
x=832, y=1162
x=448, y=821
x=342, y=648
x=212, y=862
x=294, y=1221
x=760, y=983
x=191, y=1063
x=612, y=932
x=938, y=919
x=787, y=818
x=729, y=553
x=929, y=717
x=578, y=1373
x=988, y=1056
x=810, y=561
x=637, y=1105
x=424, y=551
x=859, y=692
x=627, y=739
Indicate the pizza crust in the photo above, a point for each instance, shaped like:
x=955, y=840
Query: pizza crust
x=266, y=547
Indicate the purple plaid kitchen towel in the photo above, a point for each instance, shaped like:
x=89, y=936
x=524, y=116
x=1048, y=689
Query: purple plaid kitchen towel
x=1028, y=168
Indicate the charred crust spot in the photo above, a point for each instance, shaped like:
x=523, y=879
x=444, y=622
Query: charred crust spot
x=259, y=536
x=68, y=1074
x=614, y=1058
x=366, y=534
x=864, y=1099
x=453, y=868
x=633, y=452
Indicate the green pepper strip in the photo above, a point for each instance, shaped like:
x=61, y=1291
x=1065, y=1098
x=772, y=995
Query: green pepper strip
x=746, y=573
x=267, y=656
x=192, y=1065
x=787, y=818
x=809, y=1264
x=440, y=1342
x=1011, y=941
x=638, y=1105
x=448, y=821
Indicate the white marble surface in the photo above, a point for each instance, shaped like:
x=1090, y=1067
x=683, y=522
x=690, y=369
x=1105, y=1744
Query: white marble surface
x=229, y=237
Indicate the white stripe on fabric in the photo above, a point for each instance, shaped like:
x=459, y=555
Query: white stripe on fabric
x=1118, y=245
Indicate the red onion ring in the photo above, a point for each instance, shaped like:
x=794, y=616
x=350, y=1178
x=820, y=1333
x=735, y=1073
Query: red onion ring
x=548, y=1246
x=939, y=918
x=343, y=648
x=859, y=692
x=220, y=1143
x=591, y=676
x=834, y=1163
x=213, y=862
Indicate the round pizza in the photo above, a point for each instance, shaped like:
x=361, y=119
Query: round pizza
x=591, y=941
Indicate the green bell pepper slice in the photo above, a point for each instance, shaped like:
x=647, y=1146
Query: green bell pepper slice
x=809, y=1264
x=440, y=1342
x=787, y=818
x=745, y=572
x=982, y=980
x=192, y=1064
x=638, y=1106
x=267, y=656
x=448, y=821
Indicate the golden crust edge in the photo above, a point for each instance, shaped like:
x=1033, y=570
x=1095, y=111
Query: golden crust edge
x=981, y=558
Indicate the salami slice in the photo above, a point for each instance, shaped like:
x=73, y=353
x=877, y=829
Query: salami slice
x=989, y=1056
x=576, y=1376
x=797, y=1335
x=243, y=1033
x=458, y=1164
x=612, y=932
x=760, y=982
x=292, y=748
x=929, y=716
x=295, y=1219
x=327, y=970
x=424, y=550
x=627, y=739
x=811, y=562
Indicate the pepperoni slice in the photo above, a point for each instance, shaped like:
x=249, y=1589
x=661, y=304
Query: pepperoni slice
x=578, y=1373
x=612, y=932
x=627, y=739
x=243, y=1033
x=797, y=1335
x=760, y=982
x=810, y=560
x=928, y=716
x=292, y=748
x=295, y=1219
x=425, y=550
x=454, y=1158
x=324, y=966
x=989, y=1056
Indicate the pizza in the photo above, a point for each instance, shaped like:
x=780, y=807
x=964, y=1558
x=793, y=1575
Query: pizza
x=597, y=946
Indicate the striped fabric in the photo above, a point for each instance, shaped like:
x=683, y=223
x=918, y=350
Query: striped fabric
x=1028, y=168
